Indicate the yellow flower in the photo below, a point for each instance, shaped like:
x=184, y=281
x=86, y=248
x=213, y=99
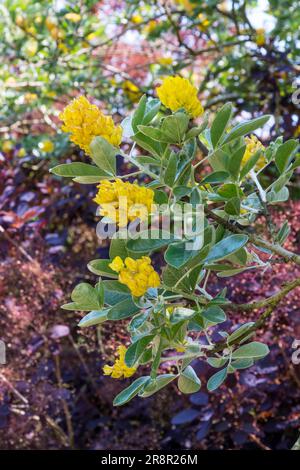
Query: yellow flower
x=30, y=47
x=165, y=61
x=131, y=91
x=38, y=19
x=187, y=4
x=123, y=201
x=204, y=22
x=137, y=274
x=176, y=93
x=297, y=131
x=7, y=146
x=54, y=31
x=50, y=24
x=30, y=97
x=21, y=152
x=50, y=94
x=136, y=19
x=260, y=37
x=62, y=47
x=117, y=264
x=92, y=38
x=74, y=17
x=20, y=21
x=151, y=26
x=243, y=211
x=85, y=121
x=119, y=369
x=252, y=146
x=31, y=30
x=46, y=146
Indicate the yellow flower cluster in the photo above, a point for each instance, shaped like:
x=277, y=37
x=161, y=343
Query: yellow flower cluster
x=136, y=19
x=131, y=91
x=151, y=26
x=21, y=152
x=85, y=121
x=165, y=61
x=252, y=146
x=119, y=369
x=123, y=201
x=30, y=47
x=73, y=17
x=297, y=131
x=46, y=146
x=260, y=36
x=187, y=5
x=30, y=97
x=204, y=22
x=137, y=274
x=7, y=146
x=53, y=29
x=176, y=93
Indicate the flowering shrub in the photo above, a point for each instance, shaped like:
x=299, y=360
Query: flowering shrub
x=46, y=47
x=84, y=121
x=171, y=314
x=176, y=93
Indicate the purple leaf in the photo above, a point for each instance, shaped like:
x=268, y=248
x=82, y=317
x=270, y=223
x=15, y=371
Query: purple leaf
x=185, y=416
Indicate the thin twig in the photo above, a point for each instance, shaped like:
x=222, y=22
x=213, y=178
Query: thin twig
x=57, y=430
x=64, y=403
x=84, y=365
x=15, y=244
x=275, y=248
x=13, y=389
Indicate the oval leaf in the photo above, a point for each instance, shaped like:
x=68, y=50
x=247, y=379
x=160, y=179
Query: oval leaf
x=150, y=241
x=104, y=155
x=214, y=314
x=156, y=384
x=135, y=350
x=226, y=247
x=93, y=318
x=284, y=153
x=188, y=381
x=215, y=177
x=186, y=416
x=131, y=391
x=254, y=350
x=220, y=123
x=246, y=127
x=77, y=169
x=216, y=380
x=101, y=268
x=123, y=309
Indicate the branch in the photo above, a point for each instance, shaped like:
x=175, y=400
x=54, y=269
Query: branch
x=270, y=301
x=275, y=248
x=273, y=302
x=258, y=324
x=15, y=244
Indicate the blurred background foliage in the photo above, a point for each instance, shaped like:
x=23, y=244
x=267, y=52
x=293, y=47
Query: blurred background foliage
x=112, y=51
x=243, y=51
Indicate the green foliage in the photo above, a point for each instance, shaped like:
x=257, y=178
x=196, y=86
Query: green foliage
x=49, y=48
x=188, y=381
x=51, y=54
x=162, y=323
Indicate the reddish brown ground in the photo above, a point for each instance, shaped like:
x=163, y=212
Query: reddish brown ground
x=54, y=393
